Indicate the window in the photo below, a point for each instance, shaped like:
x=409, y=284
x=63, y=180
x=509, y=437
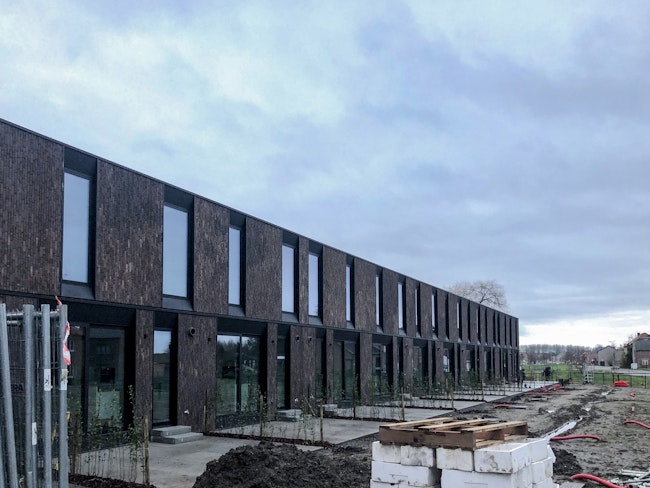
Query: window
x=400, y=306
x=234, y=266
x=314, y=284
x=175, y=251
x=349, y=294
x=378, y=301
x=434, y=317
x=416, y=297
x=78, y=243
x=288, y=279
x=76, y=228
x=459, y=319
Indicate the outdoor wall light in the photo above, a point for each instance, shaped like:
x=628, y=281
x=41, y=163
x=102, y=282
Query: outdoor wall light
x=192, y=331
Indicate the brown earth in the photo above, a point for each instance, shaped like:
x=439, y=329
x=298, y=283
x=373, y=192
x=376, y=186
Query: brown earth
x=600, y=410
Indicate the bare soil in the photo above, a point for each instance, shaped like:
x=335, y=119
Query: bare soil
x=600, y=410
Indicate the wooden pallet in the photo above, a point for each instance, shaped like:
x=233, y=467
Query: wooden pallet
x=449, y=432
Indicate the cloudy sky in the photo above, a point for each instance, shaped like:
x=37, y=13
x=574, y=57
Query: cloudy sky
x=446, y=140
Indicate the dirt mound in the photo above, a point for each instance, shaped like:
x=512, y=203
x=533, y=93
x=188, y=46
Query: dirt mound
x=565, y=463
x=269, y=465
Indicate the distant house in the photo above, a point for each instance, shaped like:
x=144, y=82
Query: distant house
x=640, y=349
x=606, y=356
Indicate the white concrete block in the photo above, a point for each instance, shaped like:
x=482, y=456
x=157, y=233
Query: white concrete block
x=456, y=459
x=419, y=476
x=418, y=456
x=551, y=454
x=381, y=484
x=502, y=458
x=510, y=456
x=386, y=453
x=466, y=479
x=548, y=483
x=542, y=470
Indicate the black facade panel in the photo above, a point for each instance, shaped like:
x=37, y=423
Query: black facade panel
x=31, y=215
x=426, y=300
x=196, y=370
x=364, y=275
x=389, y=313
x=211, y=228
x=263, y=270
x=334, y=263
x=302, y=307
x=129, y=237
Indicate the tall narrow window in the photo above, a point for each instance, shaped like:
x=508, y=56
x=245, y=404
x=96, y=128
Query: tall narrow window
x=288, y=279
x=234, y=266
x=314, y=284
x=400, y=306
x=459, y=318
x=349, y=294
x=434, y=315
x=378, y=300
x=76, y=228
x=175, y=251
x=416, y=297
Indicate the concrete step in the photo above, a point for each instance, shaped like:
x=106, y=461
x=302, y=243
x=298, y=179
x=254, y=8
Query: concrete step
x=178, y=438
x=290, y=415
x=175, y=434
x=170, y=430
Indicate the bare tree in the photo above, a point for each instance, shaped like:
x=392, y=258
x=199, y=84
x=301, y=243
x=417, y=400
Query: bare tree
x=487, y=292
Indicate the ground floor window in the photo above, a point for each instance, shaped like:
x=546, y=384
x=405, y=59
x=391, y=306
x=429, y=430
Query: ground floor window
x=162, y=367
x=380, y=372
x=345, y=372
x=420, y=378
x=97, y=387
x=238, y=374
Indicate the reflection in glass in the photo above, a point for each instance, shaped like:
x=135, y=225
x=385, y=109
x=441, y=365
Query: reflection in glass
x=175, y=252
x=288, y=279
x=314, y=289
x=106, y=378
x=238, y=374
x=234, y=266
x=162, y=342
x=76, y=228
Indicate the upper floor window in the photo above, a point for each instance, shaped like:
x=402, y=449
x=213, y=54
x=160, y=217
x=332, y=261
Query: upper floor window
x=400, y=306
x=234, y=266
x=416, y=297
x=288, y=278
x=434, y=315
x=378, y=300
x=314, y=284
x=349, y=293
x=459, y=318
x=76, y=228
x=175, y=251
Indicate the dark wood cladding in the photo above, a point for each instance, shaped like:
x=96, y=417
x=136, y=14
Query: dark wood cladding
x=196, y=370
x=211, y=236
x=365, y=366
x=389, y=315
x=302, y=272
x=271, y=368
x=364, y=279
x=129, y=237
x=31, y=182
x=144, y=325
x=334, y=292
x=426, y=300
x=263, y=270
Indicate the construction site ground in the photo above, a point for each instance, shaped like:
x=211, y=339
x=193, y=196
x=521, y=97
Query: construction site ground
x=244, y=461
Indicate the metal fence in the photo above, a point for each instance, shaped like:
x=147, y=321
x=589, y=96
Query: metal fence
x=33, y=412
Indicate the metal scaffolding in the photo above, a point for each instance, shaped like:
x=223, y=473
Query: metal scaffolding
x=33, y=413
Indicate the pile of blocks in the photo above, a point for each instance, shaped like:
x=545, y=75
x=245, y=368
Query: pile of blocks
x=526, y=463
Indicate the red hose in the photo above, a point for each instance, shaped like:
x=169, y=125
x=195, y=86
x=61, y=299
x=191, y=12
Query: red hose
x=637, y=422
x=584, y=476
x=576, y=436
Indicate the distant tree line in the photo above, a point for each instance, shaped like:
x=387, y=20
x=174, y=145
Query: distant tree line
x=542, y=353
